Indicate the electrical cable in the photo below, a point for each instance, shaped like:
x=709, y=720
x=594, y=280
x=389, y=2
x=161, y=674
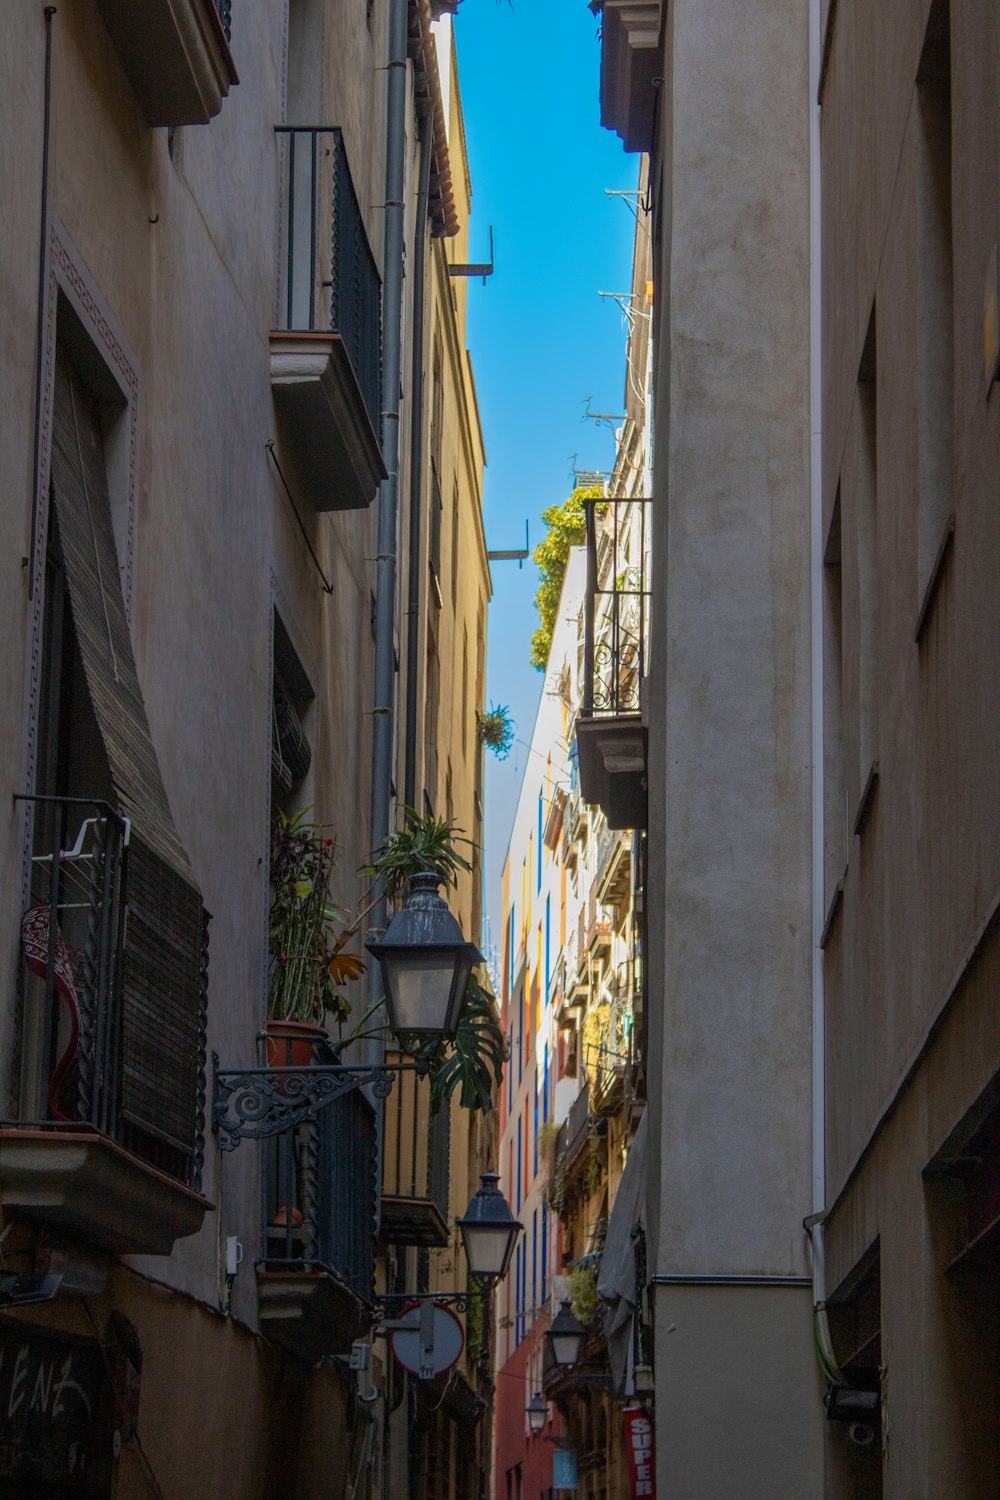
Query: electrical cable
x=327, y=585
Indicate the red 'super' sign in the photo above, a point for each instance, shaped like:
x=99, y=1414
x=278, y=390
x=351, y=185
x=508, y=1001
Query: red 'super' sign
x=641, y=1449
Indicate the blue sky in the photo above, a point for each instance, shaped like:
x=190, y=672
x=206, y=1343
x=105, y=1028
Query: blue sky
x=542, y=339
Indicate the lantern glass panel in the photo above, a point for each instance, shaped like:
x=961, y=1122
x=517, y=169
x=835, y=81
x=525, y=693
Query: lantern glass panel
x=487, y=1248
x=419, y=991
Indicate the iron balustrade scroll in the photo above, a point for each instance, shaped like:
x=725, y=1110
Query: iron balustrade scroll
x=254, y=1103
x=329, y=279
x=616, y=612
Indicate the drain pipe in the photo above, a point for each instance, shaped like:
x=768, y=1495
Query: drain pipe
x=815, y=1220
x=388, y=498
x=416, y=459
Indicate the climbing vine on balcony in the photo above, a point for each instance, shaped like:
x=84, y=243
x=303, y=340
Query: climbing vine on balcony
x=567, y=525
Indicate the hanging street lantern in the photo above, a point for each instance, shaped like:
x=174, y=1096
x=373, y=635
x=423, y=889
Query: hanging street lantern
x=426, y=965
x=538, y=1413
x=489, y=1231
x=566, y=1337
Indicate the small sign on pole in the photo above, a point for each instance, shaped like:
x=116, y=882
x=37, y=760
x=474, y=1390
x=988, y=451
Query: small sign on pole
x=426, y=1339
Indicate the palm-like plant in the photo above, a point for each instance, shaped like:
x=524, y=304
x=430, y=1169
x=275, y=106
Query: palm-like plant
x=423, y=843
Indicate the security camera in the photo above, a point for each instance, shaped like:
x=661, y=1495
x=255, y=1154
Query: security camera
x=861, y=1435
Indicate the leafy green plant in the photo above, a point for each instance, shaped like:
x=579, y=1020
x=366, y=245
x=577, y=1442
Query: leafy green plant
x=567, y=525
x=583, y=1291
x=557, y=1194
x=473, y=1063
x=592, y=1167
x=301, y=986
x=423, y=843
x=496, y=730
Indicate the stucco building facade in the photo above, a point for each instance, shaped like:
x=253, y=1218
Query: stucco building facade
x=822, y=1056
x=194, y=439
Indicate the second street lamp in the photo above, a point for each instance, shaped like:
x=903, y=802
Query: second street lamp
x=489, y=1231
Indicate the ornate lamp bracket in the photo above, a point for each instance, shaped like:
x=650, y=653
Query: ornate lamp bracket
x=252, y=1103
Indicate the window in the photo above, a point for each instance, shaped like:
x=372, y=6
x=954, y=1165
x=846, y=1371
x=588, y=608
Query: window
x=143, y=1024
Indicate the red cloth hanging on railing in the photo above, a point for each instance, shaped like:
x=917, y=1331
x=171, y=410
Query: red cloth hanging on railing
x=35, y=946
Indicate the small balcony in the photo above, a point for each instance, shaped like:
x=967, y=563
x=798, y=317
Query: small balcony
x=315, y=1281
x=326, y=352
x=630, y=61
x=112, y=1002
x=610, y=733
x=575, y=1131
x=415, y=1165
x=614, y=867
x=598, y=931
x=176, y=55
x=612, y=1067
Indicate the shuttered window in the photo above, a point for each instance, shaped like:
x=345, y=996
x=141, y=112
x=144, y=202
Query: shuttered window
x=160, y=996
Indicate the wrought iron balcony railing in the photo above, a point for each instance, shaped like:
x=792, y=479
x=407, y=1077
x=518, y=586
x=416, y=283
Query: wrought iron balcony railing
x=329, y=281
x=616, y=612
x=319, y=1193
x=114, y=952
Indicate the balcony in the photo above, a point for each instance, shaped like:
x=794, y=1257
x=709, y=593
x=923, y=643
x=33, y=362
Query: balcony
x=175, y=54
x=630, y=32
x=598, y=930
x=613, y=883
x=326, y=353
x=112, y=1002
x=415, y=1167
x=612, y=1066
x=315, y=1280
x=610, y=733
x=575, y=1131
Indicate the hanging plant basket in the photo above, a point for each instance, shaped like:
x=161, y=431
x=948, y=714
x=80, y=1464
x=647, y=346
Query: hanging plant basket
x=495, y=729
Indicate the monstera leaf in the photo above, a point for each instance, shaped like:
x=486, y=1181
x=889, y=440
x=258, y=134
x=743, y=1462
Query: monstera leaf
x=474, y=1061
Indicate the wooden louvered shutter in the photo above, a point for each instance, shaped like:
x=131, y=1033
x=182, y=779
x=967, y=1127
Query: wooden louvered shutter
x=160, y=999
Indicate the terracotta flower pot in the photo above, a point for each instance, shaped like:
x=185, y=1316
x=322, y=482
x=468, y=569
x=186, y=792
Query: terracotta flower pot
x=292, y=1044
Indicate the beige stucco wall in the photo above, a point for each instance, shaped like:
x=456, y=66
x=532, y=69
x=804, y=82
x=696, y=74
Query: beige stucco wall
x=911, y=956
x=180, y=251
x=727, y=909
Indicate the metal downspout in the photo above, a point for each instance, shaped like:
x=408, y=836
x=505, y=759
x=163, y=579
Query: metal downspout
x=416, y=461
x=43, y=251
x=388, y=498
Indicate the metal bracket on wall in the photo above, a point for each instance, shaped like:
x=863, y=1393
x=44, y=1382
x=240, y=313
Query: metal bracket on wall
x=252, y=1103
x=481, y=268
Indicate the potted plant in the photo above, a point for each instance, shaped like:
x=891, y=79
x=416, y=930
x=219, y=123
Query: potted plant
x=302, y=987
